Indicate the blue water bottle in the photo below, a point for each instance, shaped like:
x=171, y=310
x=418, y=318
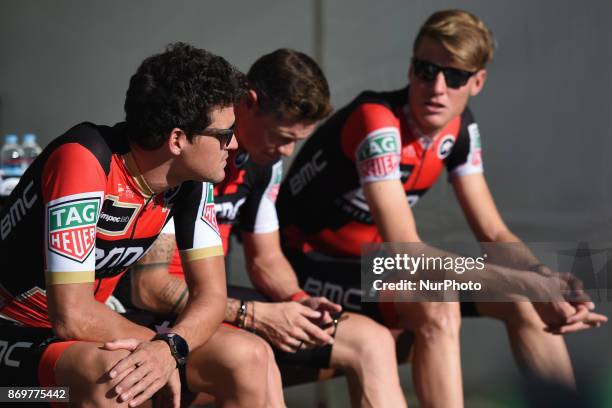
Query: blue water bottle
x=11, y=164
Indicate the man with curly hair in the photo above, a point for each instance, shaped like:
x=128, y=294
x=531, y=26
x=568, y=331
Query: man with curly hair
x=90, y=206
x=287, y=96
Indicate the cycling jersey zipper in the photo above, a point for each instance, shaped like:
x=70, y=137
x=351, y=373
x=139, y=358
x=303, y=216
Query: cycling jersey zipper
x=421, y=165
x=143, y=209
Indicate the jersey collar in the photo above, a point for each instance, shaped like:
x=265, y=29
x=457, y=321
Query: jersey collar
x=137, y=176
x=413, y=129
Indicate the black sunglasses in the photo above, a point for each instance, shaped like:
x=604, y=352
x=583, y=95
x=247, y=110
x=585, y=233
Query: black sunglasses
x=427, y=71
x=224, y=135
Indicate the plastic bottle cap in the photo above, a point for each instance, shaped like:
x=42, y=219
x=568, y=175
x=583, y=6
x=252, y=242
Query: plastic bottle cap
x=29, y=137
x=7, y=186
x=10, y=139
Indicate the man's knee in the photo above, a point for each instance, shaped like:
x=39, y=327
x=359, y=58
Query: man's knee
x=433, y=319
x=364, y=343
x=244, y=371
x=96, y=366
x=249, y=354
x=373, y=339
x=86, y=369
x=237, y=365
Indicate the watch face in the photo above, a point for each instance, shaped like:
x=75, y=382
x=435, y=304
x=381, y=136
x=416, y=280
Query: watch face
x=180, y=345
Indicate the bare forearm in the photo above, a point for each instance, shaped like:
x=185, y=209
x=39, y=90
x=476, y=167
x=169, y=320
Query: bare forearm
x=205, y=308
x=198, y=315
x=267, y=266
x=166, y=294
x=494, y=277
x=387, y=202
x=244, y=319
x=153, y=288
x=274, y=277
x=200, y=318
x=96, y=322
x=231, y=310
x=508, y=250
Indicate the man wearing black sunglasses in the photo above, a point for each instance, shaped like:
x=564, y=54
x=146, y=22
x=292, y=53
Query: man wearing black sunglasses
x=93, y=202
x=353, y=183
x=288, y=95
x=224, y=135
x=455, y=78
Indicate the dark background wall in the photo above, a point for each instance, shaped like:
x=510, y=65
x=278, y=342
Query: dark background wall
x=545, y=113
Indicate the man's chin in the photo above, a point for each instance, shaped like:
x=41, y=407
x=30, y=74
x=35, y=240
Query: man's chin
x=433, y=123
x=217, y=178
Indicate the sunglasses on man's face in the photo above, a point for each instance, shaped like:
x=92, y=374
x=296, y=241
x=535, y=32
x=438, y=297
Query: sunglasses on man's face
x=224, y=135
x=427, y=71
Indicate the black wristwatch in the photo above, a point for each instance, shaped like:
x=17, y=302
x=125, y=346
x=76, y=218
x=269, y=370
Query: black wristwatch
x=178, y=346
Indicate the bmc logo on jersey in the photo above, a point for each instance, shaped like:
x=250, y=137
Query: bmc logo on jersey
x=378, y=154
x=209, y=213
x=445, y=146
x=72, y=227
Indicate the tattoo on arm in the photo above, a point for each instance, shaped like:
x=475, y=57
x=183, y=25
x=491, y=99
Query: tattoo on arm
x=180, y=302
x=173, y=294
x=160, y=253
x=231, y=310
x=144, y=267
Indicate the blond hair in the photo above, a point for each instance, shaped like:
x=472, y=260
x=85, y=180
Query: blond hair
x=462, y=34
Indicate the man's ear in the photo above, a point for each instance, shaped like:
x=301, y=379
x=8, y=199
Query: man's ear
x=251, y=99
x=177, y=141
x=478, y=81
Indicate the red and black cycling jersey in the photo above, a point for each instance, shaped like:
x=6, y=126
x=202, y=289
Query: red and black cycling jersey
x=245, y=199
x=321, y=205
x=83, y=212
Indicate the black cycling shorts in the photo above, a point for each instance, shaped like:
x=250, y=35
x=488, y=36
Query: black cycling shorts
x=21, y=350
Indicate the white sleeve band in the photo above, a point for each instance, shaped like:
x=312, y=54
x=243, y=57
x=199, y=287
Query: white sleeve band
x=266, y=219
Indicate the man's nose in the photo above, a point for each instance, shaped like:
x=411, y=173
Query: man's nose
x=439, y=83
x=233, y=143
x=286, y=149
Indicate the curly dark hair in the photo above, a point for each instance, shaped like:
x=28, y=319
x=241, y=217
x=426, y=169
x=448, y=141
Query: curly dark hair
x=178, y=88
x=291, y=85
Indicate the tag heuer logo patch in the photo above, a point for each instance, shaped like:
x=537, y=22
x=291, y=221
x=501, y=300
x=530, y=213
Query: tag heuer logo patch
x=72, y=227
x=378, y=145
x=379, y=154
x=209, y=213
